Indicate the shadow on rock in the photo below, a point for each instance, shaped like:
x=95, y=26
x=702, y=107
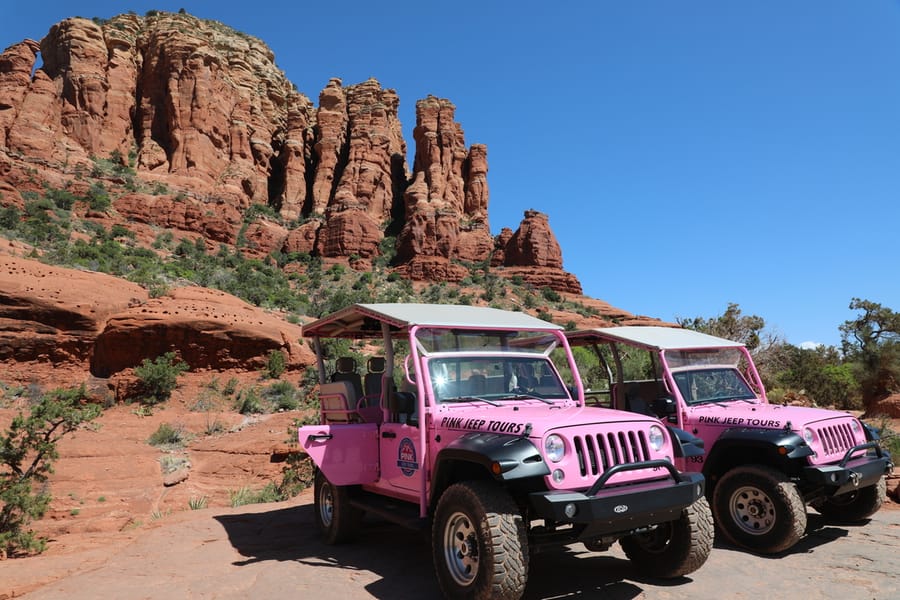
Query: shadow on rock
x=819, y=531
x=573, y=572
x=401, y=558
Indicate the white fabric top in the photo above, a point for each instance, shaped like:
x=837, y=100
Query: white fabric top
x=359, y=320
x=651, y=336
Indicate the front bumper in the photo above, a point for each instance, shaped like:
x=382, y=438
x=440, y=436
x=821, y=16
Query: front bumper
x=623, y=508
x=851, y=473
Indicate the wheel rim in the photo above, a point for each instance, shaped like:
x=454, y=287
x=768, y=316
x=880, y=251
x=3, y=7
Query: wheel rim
x=326, y=505
x=752, y=510
x=461, y=549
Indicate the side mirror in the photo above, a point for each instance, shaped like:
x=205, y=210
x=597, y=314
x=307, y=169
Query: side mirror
x=665, y=407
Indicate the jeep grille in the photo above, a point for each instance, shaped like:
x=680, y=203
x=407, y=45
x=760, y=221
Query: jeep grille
x=596, y=453
x=835, y=439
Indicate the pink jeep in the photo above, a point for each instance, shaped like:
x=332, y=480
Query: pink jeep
x=477, y=437
x=764, y=462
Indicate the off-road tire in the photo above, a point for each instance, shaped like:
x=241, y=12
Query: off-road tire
x=479, y=543
x=854, y=506
x=758, y=508
x=336, y=518
x=675, y=548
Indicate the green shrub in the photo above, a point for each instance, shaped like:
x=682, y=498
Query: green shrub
x=545, y=316
x=166, y=435
x=198, y=503
x=62, y=199
x=890, y=439
x=282, y=395
x=214, y=426
x=247, y=496
x=159, y=377
x=298, y=472
x=27, y=453
x=118, y=230
x=249, y=402
x=97, y=198
x=163, y=240
x=9, y=217
x=275, y=364
x=230, y=386
x=550, y=295
x=169, y=463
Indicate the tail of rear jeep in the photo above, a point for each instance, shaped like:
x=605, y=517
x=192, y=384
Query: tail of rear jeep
x=764, y=462
x=476, y=436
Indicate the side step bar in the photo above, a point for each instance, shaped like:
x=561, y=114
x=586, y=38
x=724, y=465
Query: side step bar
x=402, y=513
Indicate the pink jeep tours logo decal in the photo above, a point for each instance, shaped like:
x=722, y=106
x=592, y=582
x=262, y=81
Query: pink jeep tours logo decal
x=406, y=457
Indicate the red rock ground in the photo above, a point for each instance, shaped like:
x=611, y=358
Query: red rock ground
x=109, y=488
x=110, y=479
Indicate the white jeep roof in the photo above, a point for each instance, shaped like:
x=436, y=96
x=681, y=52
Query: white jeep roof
x=651, y=336
x=364, y=320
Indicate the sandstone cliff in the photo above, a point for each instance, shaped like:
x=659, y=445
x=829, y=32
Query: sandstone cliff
x=51, y=315
x=202, y=111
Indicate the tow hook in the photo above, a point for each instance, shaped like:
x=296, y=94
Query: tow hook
x=854, y=478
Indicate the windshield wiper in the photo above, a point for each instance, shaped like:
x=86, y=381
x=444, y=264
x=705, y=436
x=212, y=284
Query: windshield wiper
x=527, y=397
x=470, y=399
x=708, y=402
x=731, y=399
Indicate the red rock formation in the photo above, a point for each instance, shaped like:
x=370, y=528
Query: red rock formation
x=533, y=244
x=16, y=64
x=75, y=58
x=533, y=253
x=262, y=237
x=202, y=109
x=293, y=160
x=217, y=220
x=59, y=316
x=362, y=158
x=53, y=315
x=446, y=203
x=210, y=329
x=198, y=101
x=303, y=238
x=500, y=242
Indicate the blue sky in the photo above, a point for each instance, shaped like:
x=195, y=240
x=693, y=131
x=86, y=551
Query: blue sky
x=689, y=154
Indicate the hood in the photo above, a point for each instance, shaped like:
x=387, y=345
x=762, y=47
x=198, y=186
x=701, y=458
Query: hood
x=515, y=418
x=765, y=416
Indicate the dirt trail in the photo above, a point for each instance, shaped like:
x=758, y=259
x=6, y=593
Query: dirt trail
x=267, y=550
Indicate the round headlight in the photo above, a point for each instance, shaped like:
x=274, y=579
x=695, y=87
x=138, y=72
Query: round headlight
x=808, y=435
x=657, y=437
x=554, y=447
x=854, y=424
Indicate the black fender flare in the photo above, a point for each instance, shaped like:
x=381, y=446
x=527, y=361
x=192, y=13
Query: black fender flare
x=872, y=434
x=780, y=448
x=503, y=457
x=685, y=444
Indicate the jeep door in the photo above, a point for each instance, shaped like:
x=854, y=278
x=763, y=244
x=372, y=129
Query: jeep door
x=401, y=458
x=346, y=453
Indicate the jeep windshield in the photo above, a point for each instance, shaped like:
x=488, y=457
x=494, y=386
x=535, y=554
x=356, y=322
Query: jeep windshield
x=495, y=378
x=709, y=375
x=715, y=384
